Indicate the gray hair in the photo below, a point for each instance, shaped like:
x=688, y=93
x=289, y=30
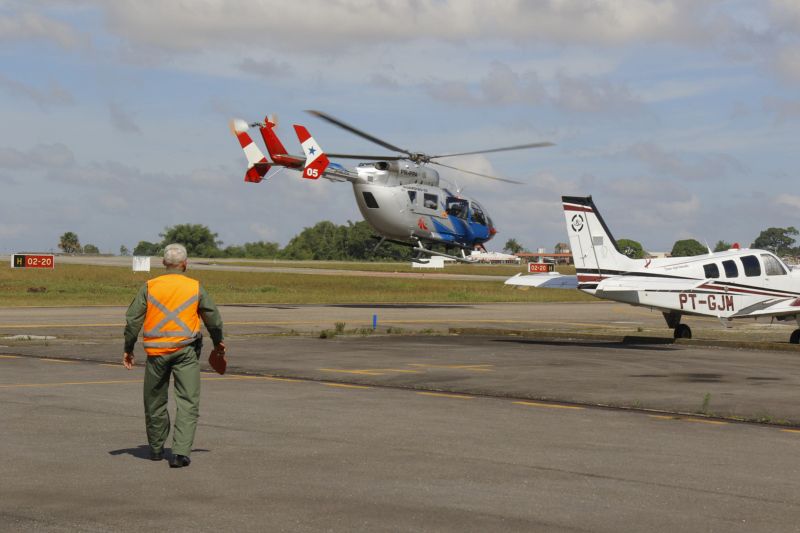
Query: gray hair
x=174, y=255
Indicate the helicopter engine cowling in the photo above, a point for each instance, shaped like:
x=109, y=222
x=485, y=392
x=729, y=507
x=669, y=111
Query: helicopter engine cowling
x=394, y=173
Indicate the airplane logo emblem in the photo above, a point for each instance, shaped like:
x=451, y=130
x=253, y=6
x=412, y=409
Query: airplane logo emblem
x=577, y=223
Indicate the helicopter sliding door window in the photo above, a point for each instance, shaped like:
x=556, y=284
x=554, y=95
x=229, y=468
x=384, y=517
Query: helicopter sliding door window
x=457, y=207
x=370, y=200
x=430, y=201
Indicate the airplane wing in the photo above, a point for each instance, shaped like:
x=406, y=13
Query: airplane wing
x=549, y=280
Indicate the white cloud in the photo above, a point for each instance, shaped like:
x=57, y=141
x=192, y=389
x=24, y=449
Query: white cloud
x=352, y=23
x=686, y=166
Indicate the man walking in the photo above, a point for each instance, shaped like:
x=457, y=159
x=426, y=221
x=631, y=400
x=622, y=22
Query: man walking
x=170, y=308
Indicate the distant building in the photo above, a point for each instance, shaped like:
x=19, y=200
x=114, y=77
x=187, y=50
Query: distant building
x=562, y=248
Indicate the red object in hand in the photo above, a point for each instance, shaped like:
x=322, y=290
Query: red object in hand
x=217, y=360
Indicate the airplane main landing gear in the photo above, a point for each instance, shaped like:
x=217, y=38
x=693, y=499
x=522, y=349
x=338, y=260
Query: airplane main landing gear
x=682, y=331
x=795, y=338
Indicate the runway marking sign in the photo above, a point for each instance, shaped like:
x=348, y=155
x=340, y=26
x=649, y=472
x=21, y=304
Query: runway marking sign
x=33, y=261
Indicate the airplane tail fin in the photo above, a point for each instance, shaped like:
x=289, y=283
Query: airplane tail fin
x=257, y=165
x=594, y=249
x=316, y=160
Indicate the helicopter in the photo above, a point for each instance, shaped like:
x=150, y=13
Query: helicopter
x=399, y=196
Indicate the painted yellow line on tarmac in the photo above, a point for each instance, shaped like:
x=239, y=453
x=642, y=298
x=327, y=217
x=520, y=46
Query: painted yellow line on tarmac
x=549, y=405
x=9, y=357
x=58, y=361
x=353, y=371
x=117, y=365
x=702, y=421
x=66, y=383
x=346, y=386
x=446, y=395
x=474, y=368
x=791, y=430
x=663, y=417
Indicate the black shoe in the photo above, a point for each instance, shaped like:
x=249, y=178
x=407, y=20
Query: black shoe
x=156, y=456
x=179, y=461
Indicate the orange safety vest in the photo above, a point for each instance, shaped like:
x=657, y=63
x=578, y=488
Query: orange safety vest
x=171, y=321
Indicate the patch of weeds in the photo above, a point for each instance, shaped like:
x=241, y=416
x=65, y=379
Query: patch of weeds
x=636, y=404
x=339, y=328
x=394, y=330
x=427, y=331
x=705, y=404
x=327, y=334
x=268, y=288
x=365, y=331
x=640, y=329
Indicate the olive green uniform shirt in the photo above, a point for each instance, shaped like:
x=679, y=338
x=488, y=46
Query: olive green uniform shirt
x=134, y=318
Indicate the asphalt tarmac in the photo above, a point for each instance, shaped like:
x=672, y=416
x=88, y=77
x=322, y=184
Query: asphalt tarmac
x=373, y=431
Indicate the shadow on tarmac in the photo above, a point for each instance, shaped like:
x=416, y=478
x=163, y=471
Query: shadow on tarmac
x=143, y=451
x=629, y=343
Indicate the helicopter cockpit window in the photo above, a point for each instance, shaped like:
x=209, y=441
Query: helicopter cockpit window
x=457, y=207
x=477, y=214
x=412, y=197
x=431, y=201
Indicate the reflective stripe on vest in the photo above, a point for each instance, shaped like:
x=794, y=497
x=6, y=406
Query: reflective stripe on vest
x=171, y=321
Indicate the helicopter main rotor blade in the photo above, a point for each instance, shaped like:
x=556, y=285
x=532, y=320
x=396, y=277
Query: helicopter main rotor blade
x=356, y=131
x=502, y=149
x=477, y=173
x=368, y=157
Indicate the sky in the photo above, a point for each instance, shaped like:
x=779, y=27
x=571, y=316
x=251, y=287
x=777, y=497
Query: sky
x=680, y=117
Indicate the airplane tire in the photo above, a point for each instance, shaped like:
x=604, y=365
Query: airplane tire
x=795, y=338
x=682, y=331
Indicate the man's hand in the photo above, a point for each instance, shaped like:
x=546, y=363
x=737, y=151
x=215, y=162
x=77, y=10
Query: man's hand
x=219, y=349
x=217, y=359
x=128, y=360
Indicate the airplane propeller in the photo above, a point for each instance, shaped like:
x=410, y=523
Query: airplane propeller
x=418, y=157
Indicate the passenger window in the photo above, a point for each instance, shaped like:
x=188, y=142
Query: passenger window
x=430, y=201
x=751, y=265
x=412, y=197
x=772, y=267
x=711, y=271
x=477, y=214
x=730, y=269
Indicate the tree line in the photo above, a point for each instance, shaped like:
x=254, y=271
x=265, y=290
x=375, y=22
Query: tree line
x=779, y=241
x=323, y=241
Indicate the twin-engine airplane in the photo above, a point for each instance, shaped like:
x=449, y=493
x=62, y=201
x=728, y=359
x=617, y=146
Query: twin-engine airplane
x=738, y=283
x=398, y=195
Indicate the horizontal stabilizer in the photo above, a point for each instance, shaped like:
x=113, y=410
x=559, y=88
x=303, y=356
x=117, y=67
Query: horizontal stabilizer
x=550, y=280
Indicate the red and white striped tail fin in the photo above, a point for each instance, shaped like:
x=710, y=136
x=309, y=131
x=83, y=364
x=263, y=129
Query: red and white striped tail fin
x=316, y=160
x=257, y=165
x=594, y=249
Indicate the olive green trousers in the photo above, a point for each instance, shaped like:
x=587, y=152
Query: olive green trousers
x=185, y=366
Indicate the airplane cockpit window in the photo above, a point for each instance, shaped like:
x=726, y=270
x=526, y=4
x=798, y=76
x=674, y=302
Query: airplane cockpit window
x=731, y=271
x=772, y=266
x=477, y=214
x=711, y=271
x=430, y=201
x=457, y=207
x=751, y=265
x=412, y=197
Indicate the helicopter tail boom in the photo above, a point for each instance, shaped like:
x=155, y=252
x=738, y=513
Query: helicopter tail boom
x=316, y=160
